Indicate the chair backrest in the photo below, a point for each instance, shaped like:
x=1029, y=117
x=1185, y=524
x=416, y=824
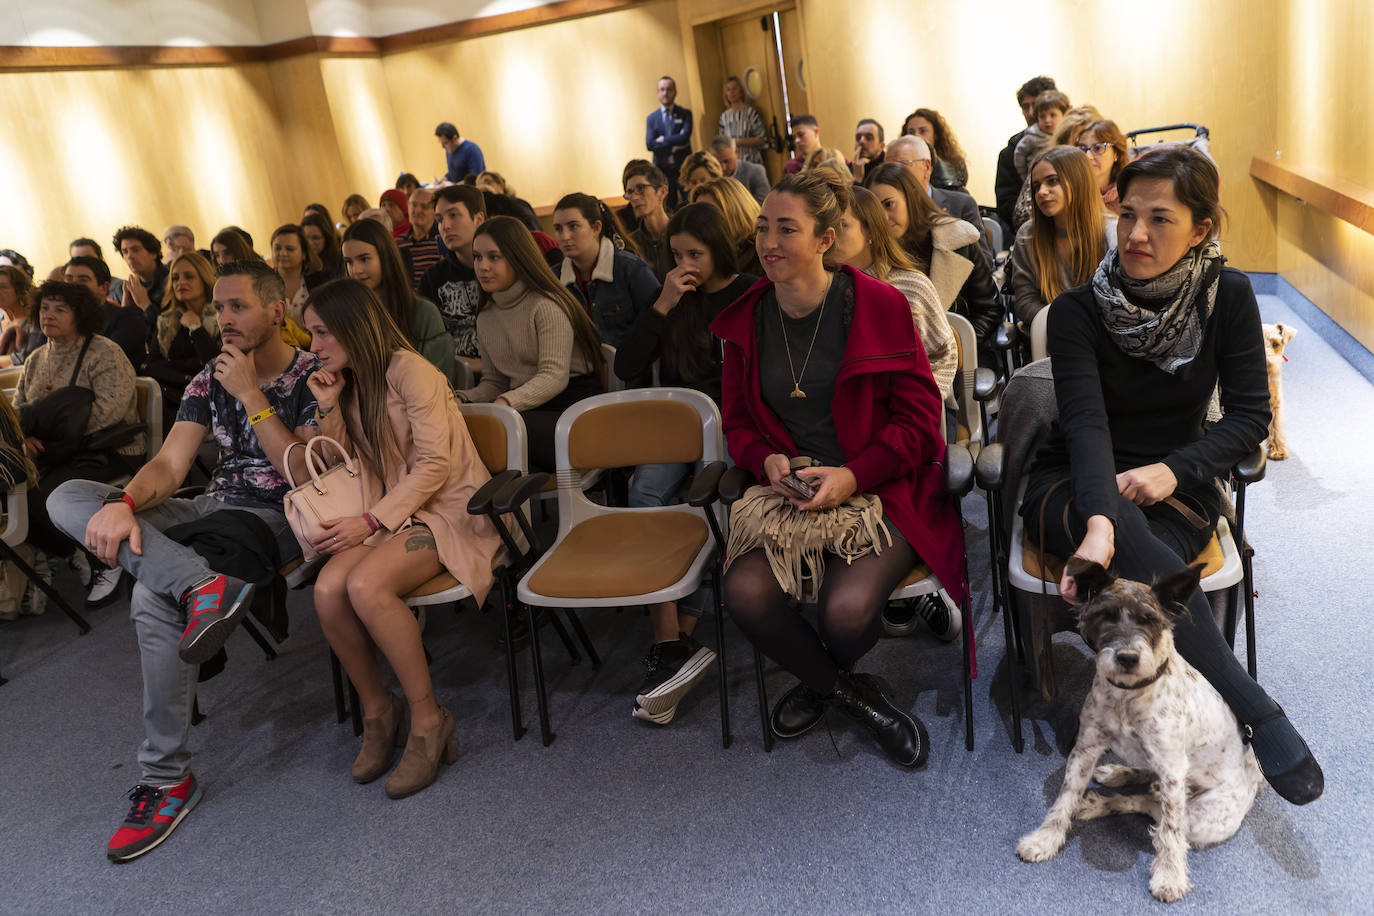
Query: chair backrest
x=149, y=394
x=9, y=378
x=627, y=428
x=611, y=381
x=993, y=230
x=498, y=432
x=463, y=378
x=1039, y=334
x=965, y=407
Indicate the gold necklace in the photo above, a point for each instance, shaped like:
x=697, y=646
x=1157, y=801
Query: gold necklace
x=787, y=344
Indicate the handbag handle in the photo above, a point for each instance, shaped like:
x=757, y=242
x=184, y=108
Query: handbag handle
x=310, y=461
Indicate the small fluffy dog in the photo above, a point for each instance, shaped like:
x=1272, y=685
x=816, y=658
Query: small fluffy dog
x=1276, y=337
x=1170, y=726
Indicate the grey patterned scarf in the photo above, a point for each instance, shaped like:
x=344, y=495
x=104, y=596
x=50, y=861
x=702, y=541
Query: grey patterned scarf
x=1170, y=336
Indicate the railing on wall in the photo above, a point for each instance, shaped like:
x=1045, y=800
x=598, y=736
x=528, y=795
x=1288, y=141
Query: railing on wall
x=1338, y=196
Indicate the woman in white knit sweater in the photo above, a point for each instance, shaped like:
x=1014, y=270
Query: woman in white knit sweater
x=865, y=242
x=540, y=351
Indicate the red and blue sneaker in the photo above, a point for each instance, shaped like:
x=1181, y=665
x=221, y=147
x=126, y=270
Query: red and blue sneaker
x=155, y=813
x=213, y=608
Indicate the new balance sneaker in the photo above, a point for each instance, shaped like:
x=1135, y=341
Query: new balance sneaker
x=940, y=616
x=899, y=618
x=156, y=812
x=674, y=668
x=104, y=586
x=657, y=718
x=213, y=608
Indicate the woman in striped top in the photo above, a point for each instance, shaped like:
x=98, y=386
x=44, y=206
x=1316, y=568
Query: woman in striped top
x=743, y=122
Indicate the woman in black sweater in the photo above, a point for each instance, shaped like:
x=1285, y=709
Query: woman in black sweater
x=1137, y=354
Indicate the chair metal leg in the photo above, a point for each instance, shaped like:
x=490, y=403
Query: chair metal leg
x=512, y=680
x=268, y=652
x=763, y=701
x=336, y=671
x=725, y=737
x=1248, y=581
x=8, y=553
x=574, y=656
x=540, y=694
x=970, y=673
x=1018, y=742
x=583, y=638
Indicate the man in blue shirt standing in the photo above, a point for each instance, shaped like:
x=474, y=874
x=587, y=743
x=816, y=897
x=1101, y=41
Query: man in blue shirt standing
x=464, y=156
x=668, y=135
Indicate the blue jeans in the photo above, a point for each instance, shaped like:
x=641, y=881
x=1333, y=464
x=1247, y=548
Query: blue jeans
x=163, y=573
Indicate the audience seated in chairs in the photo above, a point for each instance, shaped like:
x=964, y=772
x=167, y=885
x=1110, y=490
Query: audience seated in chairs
x=1050, y=106
x=187, y=331
x=1062, y=243
x=1107, y=152
x=541, y=351
x=232, y=244
x=1162, y=315
x=1007, y=182
x=495, y=183
x=951, y=168
x=750, y=174
x=423, y=238
x=869, y=152
x=77, y=406
x=371, y=257
x=699, y=168
x=451, y=284
x=353, y=207
x=740, y=212
x=675, y=331
x=1071, y=128
x=946, y=249
x=646, y=189
x=123, y=323
x=914, y=153
x=298, y=267
x=19, y=333
x=147, y=281
x=600, y=267
x=16, y=469
x=254, y=400
x=864, y=241
x=392, y=409
x=323, y=241
x=823, y=370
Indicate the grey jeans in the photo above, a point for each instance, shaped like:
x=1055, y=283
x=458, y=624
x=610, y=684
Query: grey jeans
x=162, y=574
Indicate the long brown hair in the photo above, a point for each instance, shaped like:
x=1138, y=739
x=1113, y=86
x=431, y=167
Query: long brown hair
x=395, y=292
x=922, y=213
x=370, y=337
x=946, y=145
x=686, y=337
x=169, y=322
x=887, y=253
x=310, y=262
x=737, y=207
x=517, y=246
x=1087, y=228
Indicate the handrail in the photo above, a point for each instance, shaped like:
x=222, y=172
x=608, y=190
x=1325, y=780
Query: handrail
x=1342, y=198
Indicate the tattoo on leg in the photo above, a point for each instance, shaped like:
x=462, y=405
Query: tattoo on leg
x=421, y=540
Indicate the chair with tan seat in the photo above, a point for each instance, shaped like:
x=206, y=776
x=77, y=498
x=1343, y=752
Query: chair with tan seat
x=615, y=557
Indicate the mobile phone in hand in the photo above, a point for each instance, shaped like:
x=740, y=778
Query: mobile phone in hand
x=798, y=485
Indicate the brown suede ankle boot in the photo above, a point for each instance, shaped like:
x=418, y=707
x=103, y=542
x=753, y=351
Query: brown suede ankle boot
x=381, y=737
x=420, y=763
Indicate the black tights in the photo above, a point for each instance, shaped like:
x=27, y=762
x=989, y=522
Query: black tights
x=1144, y=554
x=849, y=611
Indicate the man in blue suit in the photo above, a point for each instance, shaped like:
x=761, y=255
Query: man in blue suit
x=668, y=135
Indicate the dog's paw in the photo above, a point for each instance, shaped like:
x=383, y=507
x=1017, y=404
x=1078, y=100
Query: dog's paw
x=1040, y=846
x=1114, y=776
x=1169, y=884
x=1277, y=452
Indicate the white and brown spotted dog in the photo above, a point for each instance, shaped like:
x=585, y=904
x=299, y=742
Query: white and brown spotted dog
x=1276, y=337
x=1159, y=715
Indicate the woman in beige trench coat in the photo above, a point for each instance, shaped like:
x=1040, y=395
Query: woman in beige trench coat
x=386, y=404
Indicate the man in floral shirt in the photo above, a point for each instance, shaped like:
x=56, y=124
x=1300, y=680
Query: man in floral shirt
x=254, y=401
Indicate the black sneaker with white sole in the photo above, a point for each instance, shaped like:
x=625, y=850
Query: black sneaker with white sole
x=104, y=586
x=941, y=618
x=899, y=618
x=673, y=668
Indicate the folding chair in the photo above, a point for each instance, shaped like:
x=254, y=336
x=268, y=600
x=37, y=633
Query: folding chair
x=16, y=529
x=612, y=557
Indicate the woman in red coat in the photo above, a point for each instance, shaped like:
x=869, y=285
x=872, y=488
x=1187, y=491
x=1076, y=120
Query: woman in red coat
x=828, y=365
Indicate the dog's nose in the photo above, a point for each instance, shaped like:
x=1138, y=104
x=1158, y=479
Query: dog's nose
x=1127, y=660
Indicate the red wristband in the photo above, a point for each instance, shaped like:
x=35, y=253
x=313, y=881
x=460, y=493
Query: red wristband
x=372, y=523
x=128, y=500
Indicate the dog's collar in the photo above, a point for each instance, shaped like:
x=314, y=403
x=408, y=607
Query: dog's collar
x=1159, y=673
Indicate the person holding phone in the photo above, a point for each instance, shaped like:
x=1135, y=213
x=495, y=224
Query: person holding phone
x=824, y=376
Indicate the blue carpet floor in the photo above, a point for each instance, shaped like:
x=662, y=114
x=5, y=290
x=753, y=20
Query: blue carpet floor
x=623, y=817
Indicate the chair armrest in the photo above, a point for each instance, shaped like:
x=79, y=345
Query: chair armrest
x=704, y=490
x=518, y=492
x=1251, y=468
x=480, y=503
x=958, y=470
x=984, y=384
x=733, y=483
x=1004, y=336
x=988, y=470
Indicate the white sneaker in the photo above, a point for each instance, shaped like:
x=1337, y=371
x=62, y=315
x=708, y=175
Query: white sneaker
x=104, y=586
x=82, y=566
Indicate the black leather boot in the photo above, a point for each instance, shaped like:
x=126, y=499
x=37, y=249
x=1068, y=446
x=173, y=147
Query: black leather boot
x=800, y=710
x=902, y=736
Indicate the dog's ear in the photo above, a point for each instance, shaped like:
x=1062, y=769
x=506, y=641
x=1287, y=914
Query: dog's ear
x=1286, y=333
x=1090, y=577
x=1173, y=591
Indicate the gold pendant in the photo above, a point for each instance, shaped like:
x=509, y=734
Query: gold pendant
x=796, y=391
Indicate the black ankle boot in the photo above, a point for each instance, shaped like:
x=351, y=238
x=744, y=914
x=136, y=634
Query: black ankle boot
x=902, y=736
x=800, y=710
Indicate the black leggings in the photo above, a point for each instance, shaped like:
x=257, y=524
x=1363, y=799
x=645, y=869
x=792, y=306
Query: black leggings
x=1150, y=545
x=849, y=611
